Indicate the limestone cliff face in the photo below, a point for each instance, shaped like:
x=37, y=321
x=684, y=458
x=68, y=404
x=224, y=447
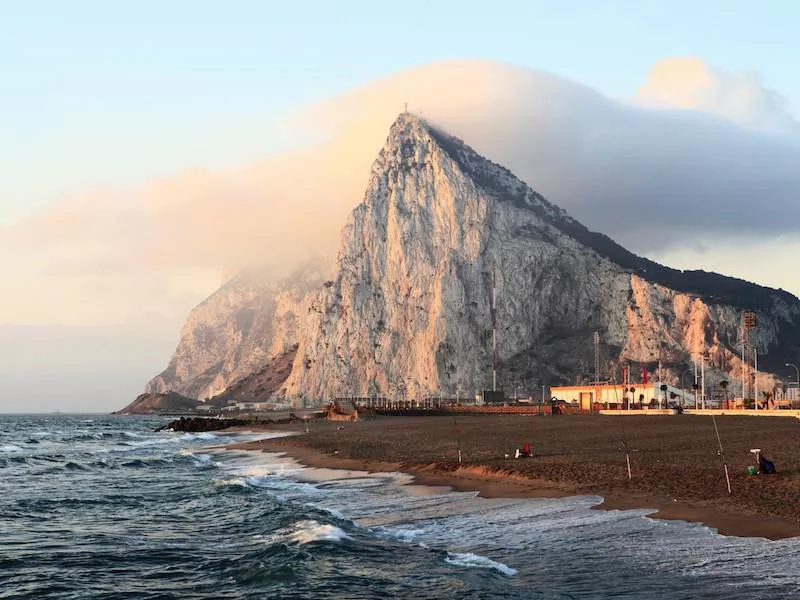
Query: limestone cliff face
x=236, y=331
x=409, y=307
x=407, y=310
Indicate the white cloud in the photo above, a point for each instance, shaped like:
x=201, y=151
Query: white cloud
x=689, y=83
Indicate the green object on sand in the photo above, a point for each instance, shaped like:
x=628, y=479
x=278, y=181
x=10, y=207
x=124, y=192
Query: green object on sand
x=751, y=470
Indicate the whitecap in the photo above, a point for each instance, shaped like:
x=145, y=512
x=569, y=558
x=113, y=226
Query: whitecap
x=231, y=482
x=10, y=448
x=270, y=482
x=198, y=436
x=203, y=461
x=306, y=532
x=407, y=535
x=468, y=559
x=313, y=531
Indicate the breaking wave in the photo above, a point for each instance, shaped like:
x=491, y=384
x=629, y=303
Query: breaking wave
x=468, y=559
x=307, y=532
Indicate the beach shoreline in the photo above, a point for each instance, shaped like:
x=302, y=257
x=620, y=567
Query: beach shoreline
x=369, y=446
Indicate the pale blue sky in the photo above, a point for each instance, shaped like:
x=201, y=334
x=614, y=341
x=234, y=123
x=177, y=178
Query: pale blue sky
x=110, y=93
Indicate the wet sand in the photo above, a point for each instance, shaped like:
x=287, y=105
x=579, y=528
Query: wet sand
x=675, y=464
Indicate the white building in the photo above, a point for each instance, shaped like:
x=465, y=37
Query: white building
x=610, y=395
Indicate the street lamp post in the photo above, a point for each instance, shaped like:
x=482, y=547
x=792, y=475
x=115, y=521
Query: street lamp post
x=798, y=375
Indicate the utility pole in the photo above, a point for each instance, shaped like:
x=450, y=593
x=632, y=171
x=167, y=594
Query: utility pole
x=755, y=374
x=596, y=357
x=749, y=322
x=703, y=376
x=744, y=374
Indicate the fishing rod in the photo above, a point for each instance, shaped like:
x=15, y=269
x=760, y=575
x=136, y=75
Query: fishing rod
x=458, y=440
x=722, y=453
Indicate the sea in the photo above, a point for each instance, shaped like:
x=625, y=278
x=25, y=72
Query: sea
x=95, y=506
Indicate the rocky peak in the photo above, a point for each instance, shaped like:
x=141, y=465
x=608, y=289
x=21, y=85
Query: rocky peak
x=407, y=310
x=412, y=140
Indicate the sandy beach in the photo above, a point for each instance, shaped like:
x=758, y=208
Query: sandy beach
x=675, y=464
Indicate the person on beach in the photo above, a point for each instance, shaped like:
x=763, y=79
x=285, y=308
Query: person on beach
x=524, y=453
x=765, y=465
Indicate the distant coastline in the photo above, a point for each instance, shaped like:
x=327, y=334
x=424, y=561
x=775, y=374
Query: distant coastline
x=676, y=471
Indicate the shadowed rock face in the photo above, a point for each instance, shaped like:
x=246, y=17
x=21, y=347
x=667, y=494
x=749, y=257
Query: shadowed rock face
x=262, y=384
x=408, y=307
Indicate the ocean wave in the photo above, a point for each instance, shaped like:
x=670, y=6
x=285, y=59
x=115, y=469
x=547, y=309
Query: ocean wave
x=271, y=482
x=236, y=482
x=405, y=535
x=468, y=559
x=151, y=442
x=10, y=448
x=198, y=436
x=74, y=466
x=331, y=511
x=307, y=531
x=83, y=437
x=147, y=461
x=202, y=461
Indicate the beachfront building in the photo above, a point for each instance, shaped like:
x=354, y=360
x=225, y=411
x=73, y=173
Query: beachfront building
x=589, y=396
x=585, y=397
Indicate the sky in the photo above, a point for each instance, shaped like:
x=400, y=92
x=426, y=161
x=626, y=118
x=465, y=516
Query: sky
x=149, y=149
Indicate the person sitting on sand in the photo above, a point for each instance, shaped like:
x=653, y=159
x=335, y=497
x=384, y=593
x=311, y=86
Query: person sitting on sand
x=524, y=453
x=765, y=465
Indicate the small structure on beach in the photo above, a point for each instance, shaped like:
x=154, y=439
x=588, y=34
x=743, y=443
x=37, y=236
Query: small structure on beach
x=339, y=411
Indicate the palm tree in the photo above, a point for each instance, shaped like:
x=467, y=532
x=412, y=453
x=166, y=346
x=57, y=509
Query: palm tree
x=724, y=385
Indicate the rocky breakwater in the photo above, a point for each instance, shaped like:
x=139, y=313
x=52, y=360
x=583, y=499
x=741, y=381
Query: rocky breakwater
x=200, y=424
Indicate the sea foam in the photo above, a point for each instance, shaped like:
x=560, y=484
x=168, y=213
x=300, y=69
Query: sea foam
x=304, y=532
x=468, y=559
x=310, y=530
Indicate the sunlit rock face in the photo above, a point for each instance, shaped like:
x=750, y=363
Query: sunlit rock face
x=408, y=307
x=439, y=227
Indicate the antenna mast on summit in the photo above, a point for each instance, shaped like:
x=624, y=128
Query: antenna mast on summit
x=494, y=334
